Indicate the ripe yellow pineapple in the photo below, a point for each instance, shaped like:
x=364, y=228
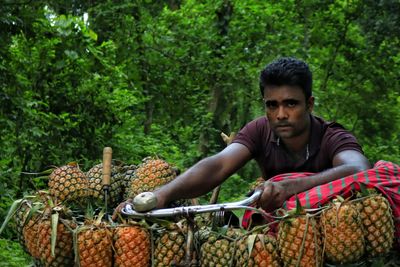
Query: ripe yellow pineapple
x=132, y=246
x=299, y=241
x=263, y=251
x=31, y=236
x=63, y=250
x=68, y=183
x=376, y=216
x=151, y=174
x=343, y=232
x=95, y=244
x=170, y=246
x=219, y=250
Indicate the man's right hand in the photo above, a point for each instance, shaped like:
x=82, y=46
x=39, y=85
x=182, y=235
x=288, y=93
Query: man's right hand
x=118, y=209
x=273, y=196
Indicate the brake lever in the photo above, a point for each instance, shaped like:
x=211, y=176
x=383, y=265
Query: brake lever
x=128, y=209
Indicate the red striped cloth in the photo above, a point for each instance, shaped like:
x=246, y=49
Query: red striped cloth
x=384, y=176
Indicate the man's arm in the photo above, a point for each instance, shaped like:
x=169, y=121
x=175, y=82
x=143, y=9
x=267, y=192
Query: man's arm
x=204, y=175
x=345, y=163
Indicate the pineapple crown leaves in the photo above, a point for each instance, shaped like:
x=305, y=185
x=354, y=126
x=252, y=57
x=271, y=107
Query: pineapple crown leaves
x=15, y=206
x=43, y=175
x=34, y=207
x=299, y=209
x=365, y=191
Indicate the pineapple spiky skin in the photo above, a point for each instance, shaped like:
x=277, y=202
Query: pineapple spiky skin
x=170, y=246
x=128, y=172
x=343, y=233
x=151, y=174
x=219, y=250
x=95, y=246
x=63, y=253
x=68, y=182
x=295, y=252
x=264, y=252
x=132, y=247
x=95, y=185
x=377, y=219
x=31, y=236
x=21, y=217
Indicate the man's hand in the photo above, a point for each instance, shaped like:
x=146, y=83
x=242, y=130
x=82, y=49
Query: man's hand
x=273, y=196
x=118, y=209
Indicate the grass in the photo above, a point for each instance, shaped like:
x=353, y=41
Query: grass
x=12, y=255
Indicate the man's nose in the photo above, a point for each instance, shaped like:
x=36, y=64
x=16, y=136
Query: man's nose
x=282, y=114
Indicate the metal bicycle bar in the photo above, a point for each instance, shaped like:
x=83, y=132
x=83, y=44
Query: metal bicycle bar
x=189, y=210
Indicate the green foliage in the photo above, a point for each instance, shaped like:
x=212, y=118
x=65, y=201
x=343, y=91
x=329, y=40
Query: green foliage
x=166, y=77
x=12, y=254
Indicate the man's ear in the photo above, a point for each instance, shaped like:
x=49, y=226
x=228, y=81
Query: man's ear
x=310, y=103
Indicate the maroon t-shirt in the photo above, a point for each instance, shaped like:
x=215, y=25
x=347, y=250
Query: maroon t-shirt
x=327, y=139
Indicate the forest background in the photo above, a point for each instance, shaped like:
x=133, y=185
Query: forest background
x=165, y=78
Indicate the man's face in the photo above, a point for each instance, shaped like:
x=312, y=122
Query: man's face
x=287, y=110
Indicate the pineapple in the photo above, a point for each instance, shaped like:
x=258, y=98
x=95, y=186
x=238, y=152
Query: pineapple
x=132, y=246
x=128, y=172
x=343, y=232
x=299, y=241
x=262, y=248
x=63, y=250
x=21, y=217
x=150, y=175
x=31, y=236
x=376, y=216
x=95, y=184
x=170, y=246
x=219, y=250
x=94, y=244
x=68, y=183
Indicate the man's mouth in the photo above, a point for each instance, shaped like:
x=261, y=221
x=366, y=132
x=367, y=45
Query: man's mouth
x=281, y=126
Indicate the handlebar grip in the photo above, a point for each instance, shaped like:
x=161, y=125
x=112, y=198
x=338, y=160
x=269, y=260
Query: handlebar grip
x=145, y=201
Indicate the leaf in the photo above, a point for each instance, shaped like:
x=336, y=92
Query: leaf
x=364, y=190
x=239, y=214
x=250, y=243
x=92, y=35
x=14, y=207
x=299, y=209
x=54, y=224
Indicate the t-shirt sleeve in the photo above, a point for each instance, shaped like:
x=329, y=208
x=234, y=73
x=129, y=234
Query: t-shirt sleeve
x=338, y=140
x=250, y=136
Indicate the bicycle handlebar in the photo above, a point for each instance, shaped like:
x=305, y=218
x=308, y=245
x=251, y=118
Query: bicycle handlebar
x=196, y=209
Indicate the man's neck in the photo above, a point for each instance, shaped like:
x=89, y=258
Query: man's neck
x=297, y=144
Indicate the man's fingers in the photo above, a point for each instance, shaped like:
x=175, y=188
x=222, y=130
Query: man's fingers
x=266, y=194
x=118, y=209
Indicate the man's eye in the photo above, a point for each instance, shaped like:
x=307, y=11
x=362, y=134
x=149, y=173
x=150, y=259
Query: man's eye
x=292, y=104
x=270, y=104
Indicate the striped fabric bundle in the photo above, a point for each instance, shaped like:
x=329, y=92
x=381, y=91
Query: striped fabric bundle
x=384, y=176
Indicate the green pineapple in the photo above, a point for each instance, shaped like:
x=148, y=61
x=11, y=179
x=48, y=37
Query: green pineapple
x=96, y=189
x=219, y=250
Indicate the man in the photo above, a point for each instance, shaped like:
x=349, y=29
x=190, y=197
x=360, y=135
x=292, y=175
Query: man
x=288, y=139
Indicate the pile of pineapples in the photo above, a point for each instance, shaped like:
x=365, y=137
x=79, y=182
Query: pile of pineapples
x=67, y=226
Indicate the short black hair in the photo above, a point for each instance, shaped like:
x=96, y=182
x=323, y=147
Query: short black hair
x=287, y=71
